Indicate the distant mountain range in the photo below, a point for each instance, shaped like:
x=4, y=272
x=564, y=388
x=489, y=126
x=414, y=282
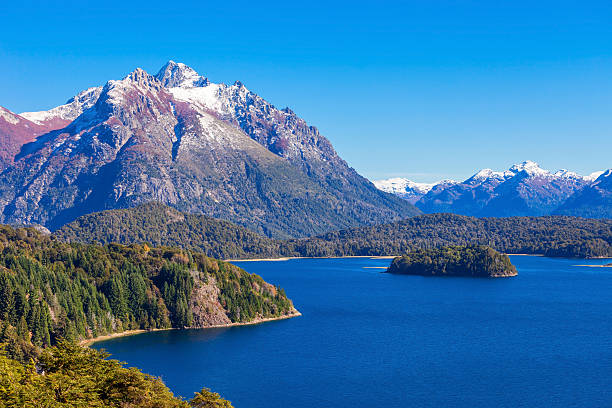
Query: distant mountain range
x=179, y=139
x=524, y=189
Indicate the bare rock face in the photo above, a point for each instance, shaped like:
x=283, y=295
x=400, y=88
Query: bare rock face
x=205, y=306
x=200, y=147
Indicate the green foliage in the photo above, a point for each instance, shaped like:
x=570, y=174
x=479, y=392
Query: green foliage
x=68, y=375
x=51, y=290
x=247, y=296
x=477, y=261
x=549, y=236
x=177, y=285
x=161, y=225
x=208, y=399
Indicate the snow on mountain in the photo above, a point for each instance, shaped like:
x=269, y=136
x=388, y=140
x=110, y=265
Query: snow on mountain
x=205, y=148
x=408, y=189
x=15, y=131
x=593, y=201
x=279, y=130
x=9, y=116
x=530, y=168
x=595, y=175
x=177, y=74
x=62, y=115
x=524, y=189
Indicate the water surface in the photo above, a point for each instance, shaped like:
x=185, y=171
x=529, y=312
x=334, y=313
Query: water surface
x=367, y=339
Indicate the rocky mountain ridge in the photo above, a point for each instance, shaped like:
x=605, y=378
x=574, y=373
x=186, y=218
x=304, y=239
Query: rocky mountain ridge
x=525, y=189
x=200, y=147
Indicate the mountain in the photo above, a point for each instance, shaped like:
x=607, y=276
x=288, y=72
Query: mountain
x=203, y=148
x=60, y=116
x=409, y=190
x=524, y=189
x=15, y=131
x=595, y=200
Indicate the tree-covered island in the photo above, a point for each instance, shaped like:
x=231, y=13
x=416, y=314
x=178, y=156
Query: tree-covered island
x=474, y=261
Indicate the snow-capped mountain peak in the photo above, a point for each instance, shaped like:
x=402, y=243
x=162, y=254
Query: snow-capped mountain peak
x=408, y=189
x=398, y=185
x=489, y=174
x=177, y=74
x=602, y=176
x=530, y=167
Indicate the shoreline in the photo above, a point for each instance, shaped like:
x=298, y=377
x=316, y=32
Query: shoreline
x=597, y=266
x=89, y=342
x=288, y=258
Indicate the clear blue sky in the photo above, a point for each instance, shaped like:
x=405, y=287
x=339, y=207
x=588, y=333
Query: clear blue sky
x=424, y=89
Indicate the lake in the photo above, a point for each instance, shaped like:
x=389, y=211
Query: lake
x=368, y=339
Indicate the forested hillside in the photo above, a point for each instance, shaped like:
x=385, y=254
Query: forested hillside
x=51, y=290
x=551, y=236
x=160, y=225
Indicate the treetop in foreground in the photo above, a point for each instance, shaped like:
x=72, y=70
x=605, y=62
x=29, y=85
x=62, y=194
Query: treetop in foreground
x=68, y=375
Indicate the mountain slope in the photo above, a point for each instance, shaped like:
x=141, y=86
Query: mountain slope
x=16, y=131
x=595, y=200
x=523, y=190
x=142, y=142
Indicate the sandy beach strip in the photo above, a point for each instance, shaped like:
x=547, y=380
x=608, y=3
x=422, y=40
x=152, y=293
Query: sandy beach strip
x=89, y=342
x=311, y=257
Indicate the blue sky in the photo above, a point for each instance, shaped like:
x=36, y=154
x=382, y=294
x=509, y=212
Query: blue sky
x=423, y=89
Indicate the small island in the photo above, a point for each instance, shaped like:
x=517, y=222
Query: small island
x=472, y=261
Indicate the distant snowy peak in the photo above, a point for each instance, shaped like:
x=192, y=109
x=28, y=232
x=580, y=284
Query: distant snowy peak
x=408, y=189
x=595, y=175
x=399, y=185
x=488, y=174
x=604, y=175
x=60, y=116
x=529, y=169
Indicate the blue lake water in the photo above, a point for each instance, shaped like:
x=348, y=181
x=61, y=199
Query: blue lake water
x=367, y=339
